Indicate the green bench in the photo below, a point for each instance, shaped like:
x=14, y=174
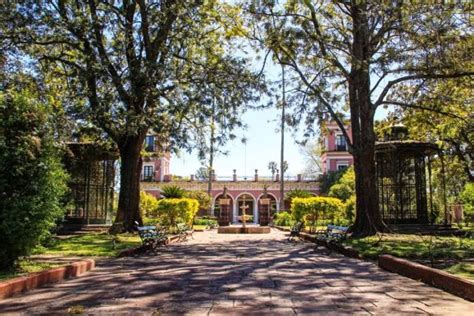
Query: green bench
x=333, y=235
x=184, y=231
x=151, y=237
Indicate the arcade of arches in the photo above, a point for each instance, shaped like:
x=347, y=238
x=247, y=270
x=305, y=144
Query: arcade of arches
x=244, y=195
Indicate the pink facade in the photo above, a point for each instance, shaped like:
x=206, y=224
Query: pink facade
x=335, y=150
x=157, y=166
x=240, y=192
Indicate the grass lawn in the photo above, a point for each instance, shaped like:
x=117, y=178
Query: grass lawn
x=93, y=245
x=450, y=253
x=463, y=269
x=26, y=266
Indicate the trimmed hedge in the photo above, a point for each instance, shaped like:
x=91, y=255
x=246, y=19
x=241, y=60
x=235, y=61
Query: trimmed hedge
x=312, y=209
x=174, y=211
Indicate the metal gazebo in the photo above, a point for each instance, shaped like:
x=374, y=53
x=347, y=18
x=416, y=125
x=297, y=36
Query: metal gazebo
x=92, y=176
x=404, y=187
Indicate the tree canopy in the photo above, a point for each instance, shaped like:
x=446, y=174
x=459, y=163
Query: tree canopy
x=351, y=56
x=132, y=66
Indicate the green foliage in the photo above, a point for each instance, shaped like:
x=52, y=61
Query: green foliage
x=172, y=192
x=32, y=181
x=202, y=197
x=173, y=211
x=327, y=180
x=344, y=188
x=315, y=208
x=283, y=219
x=350, y=208
x=148, y=203
x=205, y=221
x=297, y=193
x=467, y=198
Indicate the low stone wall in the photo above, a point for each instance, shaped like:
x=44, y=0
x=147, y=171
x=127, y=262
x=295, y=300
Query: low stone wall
x=34, y=280
x=437, y=278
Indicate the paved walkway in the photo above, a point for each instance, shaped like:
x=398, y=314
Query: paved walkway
x=239, y=274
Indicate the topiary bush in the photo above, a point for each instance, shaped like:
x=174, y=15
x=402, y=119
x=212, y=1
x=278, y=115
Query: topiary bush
x=174, y=211
x=283, y=219
x=32, y=181
x=312, y=209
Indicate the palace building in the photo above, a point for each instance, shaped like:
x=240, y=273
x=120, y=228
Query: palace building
x=244, y=192
x=335, y=153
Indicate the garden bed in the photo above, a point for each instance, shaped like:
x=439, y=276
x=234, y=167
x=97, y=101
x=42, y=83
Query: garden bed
x=452, y=254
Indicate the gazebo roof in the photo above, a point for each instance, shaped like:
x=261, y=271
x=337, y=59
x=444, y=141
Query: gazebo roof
x=412, y=146
x=90, y=151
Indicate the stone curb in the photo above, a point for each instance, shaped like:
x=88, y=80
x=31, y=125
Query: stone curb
x=437, y=278
x=141, y=249
x=34, y=280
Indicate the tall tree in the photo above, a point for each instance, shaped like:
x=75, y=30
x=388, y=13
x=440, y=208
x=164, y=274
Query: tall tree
x=132, y=66
x=353, y=55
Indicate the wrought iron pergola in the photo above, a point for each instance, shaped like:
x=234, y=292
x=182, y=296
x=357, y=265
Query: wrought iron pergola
x=92, y=174
x=404, y=188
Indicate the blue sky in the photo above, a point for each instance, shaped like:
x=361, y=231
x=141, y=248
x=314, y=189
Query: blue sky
x=263, y=142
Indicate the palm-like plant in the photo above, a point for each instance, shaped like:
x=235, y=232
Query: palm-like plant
x=172, y=192
x=273, y=167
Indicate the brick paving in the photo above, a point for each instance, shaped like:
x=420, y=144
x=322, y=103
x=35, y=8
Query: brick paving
x=230, y=274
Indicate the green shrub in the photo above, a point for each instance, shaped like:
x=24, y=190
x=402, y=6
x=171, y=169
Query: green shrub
x=32, y=181
x=297, y=193
x=283, y=219
x=205, y=221
x=467, y=197
x=312, y=209
x=172, y=192
x=202, y=197
x=350, y=208
x=174, y=211
x=148, y=204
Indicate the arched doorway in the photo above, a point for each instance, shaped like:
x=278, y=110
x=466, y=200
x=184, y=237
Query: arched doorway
x=273, y=204
x=245, y=205
x=217, y=207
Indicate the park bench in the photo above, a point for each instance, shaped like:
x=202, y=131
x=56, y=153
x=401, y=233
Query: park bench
x=151, y=237
x=333, y=235
x=296, y=230
x=184, y=231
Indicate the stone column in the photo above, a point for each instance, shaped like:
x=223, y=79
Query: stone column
x=256, y=175
x=191, y=178
x=299, y=177
x=234, y=176
x=277, y=177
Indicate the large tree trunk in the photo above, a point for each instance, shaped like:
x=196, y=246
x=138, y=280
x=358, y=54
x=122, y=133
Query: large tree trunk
x=368, y=220
x=129, y=197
